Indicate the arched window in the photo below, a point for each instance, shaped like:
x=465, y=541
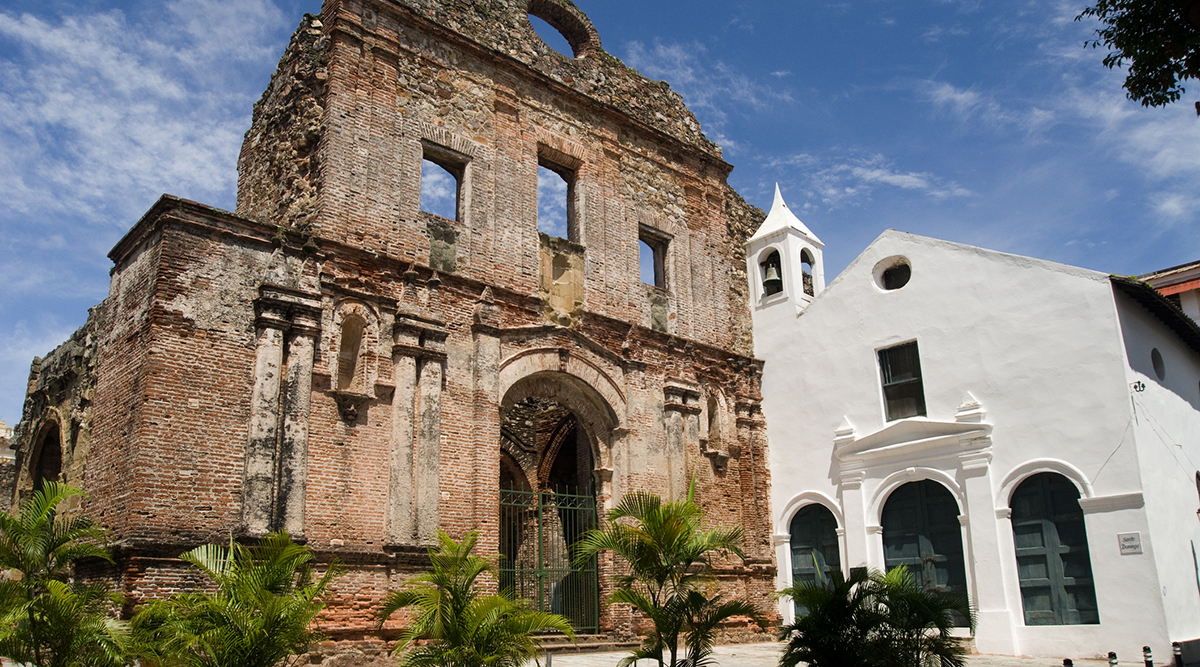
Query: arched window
x=49, y=459
x=772, y=274
x=921, y=531
x=806, y=270
x=814, y=544
x=349, y=369
x=1053, y=564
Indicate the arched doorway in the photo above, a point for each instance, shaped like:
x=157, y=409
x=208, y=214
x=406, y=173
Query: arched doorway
x=921, y=531
x=547, y=502
x=1053, y=564
x=48, y=465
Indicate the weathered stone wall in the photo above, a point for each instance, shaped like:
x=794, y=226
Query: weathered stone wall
x=8, y=478
x=58, y=407
x=279, y=167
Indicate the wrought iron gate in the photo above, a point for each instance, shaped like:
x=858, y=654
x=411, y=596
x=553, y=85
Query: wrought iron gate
x=537, y=532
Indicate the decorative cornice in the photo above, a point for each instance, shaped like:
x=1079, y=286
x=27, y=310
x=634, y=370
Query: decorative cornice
x=1112, y=503
x=852, y=479
x=913, y=439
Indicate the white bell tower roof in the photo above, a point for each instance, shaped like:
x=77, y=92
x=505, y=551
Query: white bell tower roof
x=781, y=218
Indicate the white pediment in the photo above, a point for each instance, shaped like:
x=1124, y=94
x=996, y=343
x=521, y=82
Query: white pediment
x=911, y=438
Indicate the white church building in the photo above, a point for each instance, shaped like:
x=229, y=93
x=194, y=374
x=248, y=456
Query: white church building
x=1019, y=430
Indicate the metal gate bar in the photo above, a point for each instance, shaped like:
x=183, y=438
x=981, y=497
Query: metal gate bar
x=537, y=532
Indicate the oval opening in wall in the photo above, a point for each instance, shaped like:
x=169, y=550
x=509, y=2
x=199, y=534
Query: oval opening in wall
x=892, y=273
x=1159, y=369
x=551, y=36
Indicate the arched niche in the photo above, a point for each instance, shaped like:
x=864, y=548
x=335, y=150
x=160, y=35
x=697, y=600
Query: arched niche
x=353, y=344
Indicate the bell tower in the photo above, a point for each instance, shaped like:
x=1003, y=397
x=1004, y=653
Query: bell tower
x=784, y=267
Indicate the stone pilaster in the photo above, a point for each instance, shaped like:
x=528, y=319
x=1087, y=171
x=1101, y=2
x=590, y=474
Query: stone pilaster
x=297, y=400
x=414, y=493
x=258, y=480
x=681, y=416
x=273, y=483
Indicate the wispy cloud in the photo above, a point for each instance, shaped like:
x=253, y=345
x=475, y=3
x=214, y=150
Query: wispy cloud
x=969, y=105
x=937, y=32
x=1159, y=143
x=837, y=182
x=101, y=112
x=552, y=203
x=712, y=88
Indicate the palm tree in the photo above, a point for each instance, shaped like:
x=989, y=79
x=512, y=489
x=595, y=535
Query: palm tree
x=703, y=616
x=876, y=619
x=48, y=618
x=669, y=557
x=833, y=621
x=462, y=624
x=917, y=622
x=266, y=597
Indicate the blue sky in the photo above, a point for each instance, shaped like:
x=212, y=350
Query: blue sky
x=983, y=123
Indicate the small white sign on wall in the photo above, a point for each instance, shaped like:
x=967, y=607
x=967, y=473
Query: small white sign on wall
x=1131, y=543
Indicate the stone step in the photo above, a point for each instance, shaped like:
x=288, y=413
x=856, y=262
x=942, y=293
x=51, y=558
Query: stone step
x=585, y=644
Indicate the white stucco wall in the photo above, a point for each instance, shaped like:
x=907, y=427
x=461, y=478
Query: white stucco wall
x=1038, y=346
x=1167, y=431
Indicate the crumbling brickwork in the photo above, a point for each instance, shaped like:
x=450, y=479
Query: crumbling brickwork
x=334, y=361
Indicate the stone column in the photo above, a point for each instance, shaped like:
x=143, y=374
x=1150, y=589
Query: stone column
x=681, y=411
x=854, y=509
x=986, y=566
x=755, y=479
x=293, y=447
x=258, y=480
x=414, y=465
x=428, y=449
x=401, y=507
x=485, y=400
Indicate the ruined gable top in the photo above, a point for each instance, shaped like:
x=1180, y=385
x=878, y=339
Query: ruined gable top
x=503, y=27
x=186, y=208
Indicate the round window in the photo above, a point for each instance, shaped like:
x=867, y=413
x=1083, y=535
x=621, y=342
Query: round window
x=892, y=273
x=1159, y=369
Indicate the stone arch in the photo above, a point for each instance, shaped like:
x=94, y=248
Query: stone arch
x=570, y=424
x=585, y=403
x=800, y=501
x=42, y=463
x=569, y=21
x=588, y=375
x=1030, y=468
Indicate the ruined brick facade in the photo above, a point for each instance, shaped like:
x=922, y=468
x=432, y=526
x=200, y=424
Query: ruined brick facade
x=336, y=362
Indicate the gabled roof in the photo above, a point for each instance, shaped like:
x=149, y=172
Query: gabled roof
x=1162, y=309
x=1176, y=279
x=781, y=218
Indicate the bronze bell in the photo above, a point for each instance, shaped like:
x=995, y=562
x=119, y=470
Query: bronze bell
x=772, y=283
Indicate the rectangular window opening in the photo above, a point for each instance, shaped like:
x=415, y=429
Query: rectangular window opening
x=442, y=174
x=556, y=201
x=652, y=257
x=903, y=390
